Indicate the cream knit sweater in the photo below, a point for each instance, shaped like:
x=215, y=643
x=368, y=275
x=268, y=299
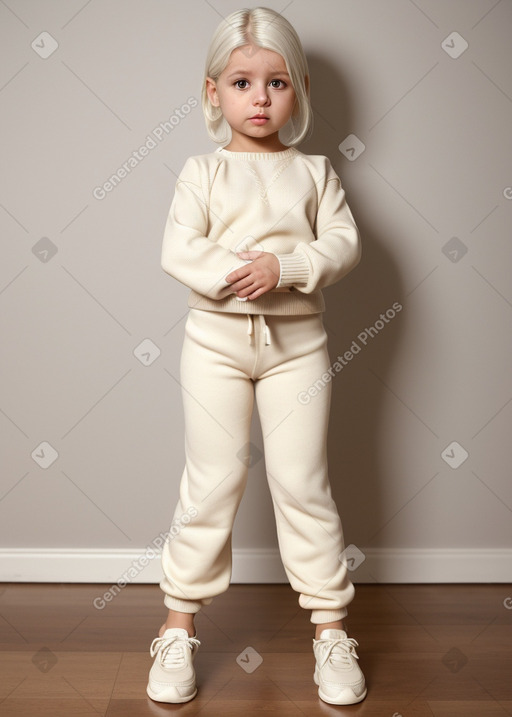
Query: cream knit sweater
x=288, y=203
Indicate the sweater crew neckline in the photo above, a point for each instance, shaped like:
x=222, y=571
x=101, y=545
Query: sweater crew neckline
x=274, y=156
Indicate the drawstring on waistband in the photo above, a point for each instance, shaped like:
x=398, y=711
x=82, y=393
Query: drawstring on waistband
x=265, y=328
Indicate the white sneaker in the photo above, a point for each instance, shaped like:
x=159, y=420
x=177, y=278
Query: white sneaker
x=337, y=674
x=172, y=677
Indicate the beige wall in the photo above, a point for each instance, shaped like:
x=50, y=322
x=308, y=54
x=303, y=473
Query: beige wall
x=81, y=285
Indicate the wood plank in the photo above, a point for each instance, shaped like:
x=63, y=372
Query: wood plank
x=433, y=650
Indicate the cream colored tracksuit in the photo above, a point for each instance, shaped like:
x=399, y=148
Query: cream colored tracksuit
x=227, y=361
x=270, y=349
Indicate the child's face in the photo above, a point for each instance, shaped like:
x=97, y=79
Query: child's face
x=254, y=83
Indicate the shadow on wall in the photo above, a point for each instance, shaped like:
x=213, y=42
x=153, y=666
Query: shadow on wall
x=354, y=305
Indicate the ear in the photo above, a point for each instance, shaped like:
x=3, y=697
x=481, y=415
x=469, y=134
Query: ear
x=211, y=91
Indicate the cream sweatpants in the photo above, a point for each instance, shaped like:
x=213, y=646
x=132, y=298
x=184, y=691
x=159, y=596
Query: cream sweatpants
x=228, y=360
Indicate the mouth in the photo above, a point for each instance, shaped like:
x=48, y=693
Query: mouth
x=259, y=119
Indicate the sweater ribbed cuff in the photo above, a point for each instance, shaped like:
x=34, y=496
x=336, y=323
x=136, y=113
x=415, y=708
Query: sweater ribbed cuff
x=294, y=270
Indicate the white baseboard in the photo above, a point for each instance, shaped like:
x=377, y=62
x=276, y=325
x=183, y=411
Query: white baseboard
x=380, y=565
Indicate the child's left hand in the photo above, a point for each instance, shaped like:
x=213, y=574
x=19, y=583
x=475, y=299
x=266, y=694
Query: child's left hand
x=256, y=278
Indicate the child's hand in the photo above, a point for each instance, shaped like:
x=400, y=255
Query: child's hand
x=256, y=278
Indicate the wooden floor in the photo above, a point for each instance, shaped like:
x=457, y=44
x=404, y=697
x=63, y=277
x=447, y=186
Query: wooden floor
x=425, y=650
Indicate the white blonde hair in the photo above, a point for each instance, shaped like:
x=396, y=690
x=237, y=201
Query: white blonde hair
x=268, y=29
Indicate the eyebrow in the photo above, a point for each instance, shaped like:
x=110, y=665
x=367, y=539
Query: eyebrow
x=247, y=72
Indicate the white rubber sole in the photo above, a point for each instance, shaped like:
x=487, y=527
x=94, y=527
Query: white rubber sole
x=349, y=700
x=170, y=696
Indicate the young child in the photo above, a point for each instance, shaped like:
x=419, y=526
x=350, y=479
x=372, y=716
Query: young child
x=255, y=230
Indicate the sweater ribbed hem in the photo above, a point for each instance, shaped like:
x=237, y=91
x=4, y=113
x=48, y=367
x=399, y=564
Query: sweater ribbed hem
x=285, y=303
x=319, y=617
x=294, y=269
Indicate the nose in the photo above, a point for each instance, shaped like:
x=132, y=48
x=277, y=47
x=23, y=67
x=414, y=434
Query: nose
x=261, y=96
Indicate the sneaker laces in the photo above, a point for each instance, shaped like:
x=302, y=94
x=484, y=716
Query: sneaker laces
x=172, y=650
x=339, y=651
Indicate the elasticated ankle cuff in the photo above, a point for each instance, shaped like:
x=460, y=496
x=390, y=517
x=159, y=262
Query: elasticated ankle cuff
x=182, y=605
x=319, y=617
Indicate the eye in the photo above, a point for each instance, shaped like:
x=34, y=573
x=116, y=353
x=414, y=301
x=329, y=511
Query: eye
x=280, y=83
x=237, y=84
